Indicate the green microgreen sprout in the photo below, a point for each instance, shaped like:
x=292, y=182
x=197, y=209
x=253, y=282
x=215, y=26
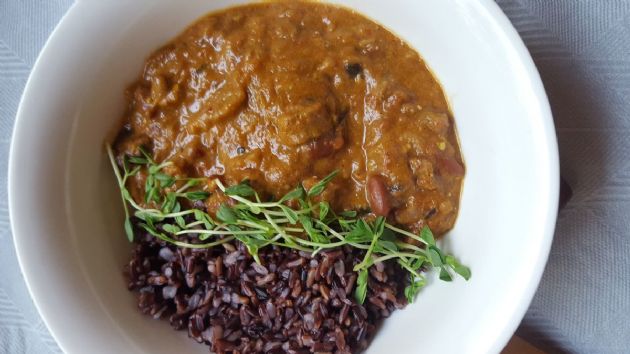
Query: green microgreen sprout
x=312, y=227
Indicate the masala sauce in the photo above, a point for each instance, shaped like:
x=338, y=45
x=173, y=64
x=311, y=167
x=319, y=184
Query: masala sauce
x=285, y=93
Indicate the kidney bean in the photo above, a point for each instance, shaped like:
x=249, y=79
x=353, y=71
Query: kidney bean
x=378, y=196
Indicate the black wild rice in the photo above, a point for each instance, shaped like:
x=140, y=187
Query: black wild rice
x=291, y=303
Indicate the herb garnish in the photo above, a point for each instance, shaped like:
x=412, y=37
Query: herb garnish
x=312, y=227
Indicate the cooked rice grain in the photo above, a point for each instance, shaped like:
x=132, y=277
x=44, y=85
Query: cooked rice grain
x=291, y=303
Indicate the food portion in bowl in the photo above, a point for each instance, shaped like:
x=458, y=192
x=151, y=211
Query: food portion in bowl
x=283, y=168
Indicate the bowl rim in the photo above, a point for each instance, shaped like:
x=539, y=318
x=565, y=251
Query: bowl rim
x=518, y=310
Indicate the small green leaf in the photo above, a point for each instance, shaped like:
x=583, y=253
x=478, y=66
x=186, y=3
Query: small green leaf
x=150, y=222
x=379, y=226
x=205, y=218
x=418, y=263
x=180, y=221
x=208, y=223
x=289, y=213
x=241, y=190
x=151, y=196
x=314, y=234
x=360, y=233
x=235, y=228
x=319, y=187
x=149, y=188
x=434, y=257
x=463, y=271
x=226, y=214
x=427, y=236
x=170, y=228
x=445, y=275
x=154, y=169
x=246, y=214
x=138, y=160
x=324, y=207
x=129, y=229
x=297, y=193
x=165, y=180
x=148, y=183
x=460, y=269
x=348, y=214
x=198, y=214
x=198, y=195
x=384, y=245
x=361, y=290
x=255, y=209
x=414, y=287
x=169, y=202
x=145, y=215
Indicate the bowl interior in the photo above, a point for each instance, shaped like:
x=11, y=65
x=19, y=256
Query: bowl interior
x=73, y=256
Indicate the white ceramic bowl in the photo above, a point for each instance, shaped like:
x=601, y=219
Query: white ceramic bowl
x=66, y=213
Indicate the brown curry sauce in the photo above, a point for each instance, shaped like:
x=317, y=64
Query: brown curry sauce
x=284, y=93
